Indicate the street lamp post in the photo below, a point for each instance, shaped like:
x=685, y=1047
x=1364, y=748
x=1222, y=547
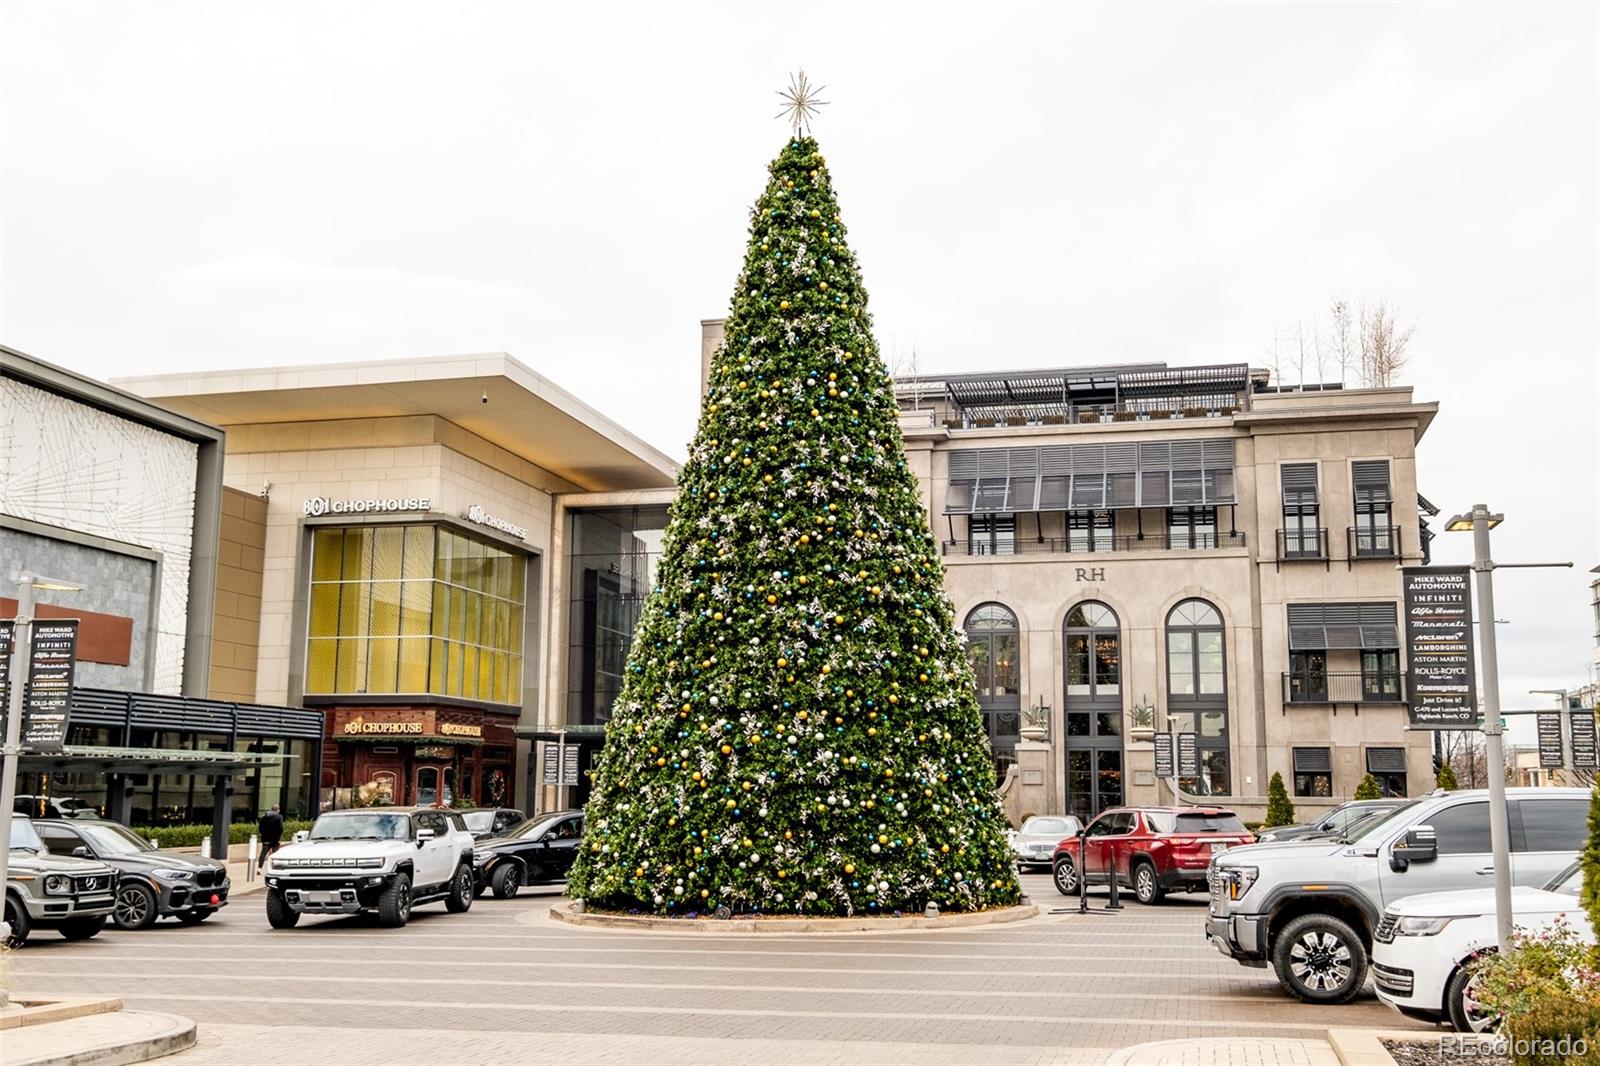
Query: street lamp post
x=21, y=652
x=1480, y=521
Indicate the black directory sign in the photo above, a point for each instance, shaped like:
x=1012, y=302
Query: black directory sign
x=1164, y=755
x=1551, y=755
x=52, y=658
x=1187, y=764
x=5, y=670
x=561, y=764
x=1584, y=755
x=1438, y=606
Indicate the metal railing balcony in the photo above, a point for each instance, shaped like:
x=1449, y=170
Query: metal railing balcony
x=1382, y=542
x=1083, y=544
x=1356, y=687
x=1080, y=414
x=1302, y=545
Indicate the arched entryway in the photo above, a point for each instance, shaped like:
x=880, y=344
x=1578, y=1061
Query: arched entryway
x=1093, y=668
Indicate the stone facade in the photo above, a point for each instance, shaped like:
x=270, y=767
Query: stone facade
x=236, y=629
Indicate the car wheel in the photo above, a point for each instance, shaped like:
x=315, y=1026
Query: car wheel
x=1065, y=876
x=279, y=914
x=394, y=905
x=1461, y=1004
x=1146, y=885
x=17, y=919
x=1320, y=959
x=194, y=917
x=83, y=928
x=461, y=894
x=135, y=907
x=507, y=880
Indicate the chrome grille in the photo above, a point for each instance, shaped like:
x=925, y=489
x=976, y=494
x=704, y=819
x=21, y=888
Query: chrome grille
x=93, y=884
x=1384, y=934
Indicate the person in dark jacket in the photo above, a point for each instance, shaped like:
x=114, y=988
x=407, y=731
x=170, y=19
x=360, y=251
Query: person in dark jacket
x=270, y=829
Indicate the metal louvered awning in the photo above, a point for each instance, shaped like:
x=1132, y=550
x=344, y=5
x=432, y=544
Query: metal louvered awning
x=1370, y=479
x=1313, y=760
x=1063, y=477
x=1343, y=626
x=1299, y=483
x=1386, y=760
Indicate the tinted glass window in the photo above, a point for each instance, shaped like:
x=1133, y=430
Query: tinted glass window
x=1197, y=822
x=1462, y=830
x=479, y=821
x=1554, y=824
x=60, y=841
x=1103, y=826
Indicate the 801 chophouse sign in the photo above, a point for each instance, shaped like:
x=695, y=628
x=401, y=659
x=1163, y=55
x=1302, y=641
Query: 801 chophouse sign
x=1443, y=683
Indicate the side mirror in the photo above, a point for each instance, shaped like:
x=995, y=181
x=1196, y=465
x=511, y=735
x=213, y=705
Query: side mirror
x=82, y=852
x=301, y=836
x=1420, y=844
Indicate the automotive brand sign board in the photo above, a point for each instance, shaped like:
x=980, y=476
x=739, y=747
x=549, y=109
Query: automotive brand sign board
x=1188, y=762
x=5, y=670
x=1164, y=755
x=1441, y=678
x=1584, y=754
x=1552, y=753
x=52, y=660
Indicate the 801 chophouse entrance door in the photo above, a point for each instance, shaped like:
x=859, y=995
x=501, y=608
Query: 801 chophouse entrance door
x=1093, y=710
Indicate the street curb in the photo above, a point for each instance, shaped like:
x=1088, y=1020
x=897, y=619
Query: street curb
x=563, y=912
x=179, y=1035
x=1363, y=1047
x=41, y=1010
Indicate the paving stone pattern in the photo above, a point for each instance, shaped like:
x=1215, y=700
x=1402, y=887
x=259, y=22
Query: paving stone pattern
x=504, y=982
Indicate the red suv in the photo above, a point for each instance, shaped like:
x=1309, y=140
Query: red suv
x=1154, y=850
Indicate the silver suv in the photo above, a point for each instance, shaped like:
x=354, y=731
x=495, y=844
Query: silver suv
x=63, y=892
x=383, y=859
x=1310, y=908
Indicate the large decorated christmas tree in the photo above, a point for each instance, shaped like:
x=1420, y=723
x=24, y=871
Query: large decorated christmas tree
x=798, y=730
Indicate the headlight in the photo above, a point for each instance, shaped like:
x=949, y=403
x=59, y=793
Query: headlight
x=368, y=864
x=58, y=885
x=1416, y=926
x=173, y=875
x=1240, y=878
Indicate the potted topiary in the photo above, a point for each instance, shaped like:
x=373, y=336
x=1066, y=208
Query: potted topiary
x=1143, y=718
x=1035, y=723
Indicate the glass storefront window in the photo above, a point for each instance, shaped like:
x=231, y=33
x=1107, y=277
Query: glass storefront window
x=615, y=552
x=417, y=609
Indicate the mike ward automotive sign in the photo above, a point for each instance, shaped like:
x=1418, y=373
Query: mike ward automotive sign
x=1438, y=603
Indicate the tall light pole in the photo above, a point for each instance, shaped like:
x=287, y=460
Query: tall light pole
x=1480, y=521
x=21, y=652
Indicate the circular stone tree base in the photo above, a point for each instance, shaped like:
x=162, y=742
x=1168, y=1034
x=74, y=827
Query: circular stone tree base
x=563, y=912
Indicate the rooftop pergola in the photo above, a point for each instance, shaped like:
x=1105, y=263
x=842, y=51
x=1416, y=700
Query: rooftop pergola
x=1035, y=394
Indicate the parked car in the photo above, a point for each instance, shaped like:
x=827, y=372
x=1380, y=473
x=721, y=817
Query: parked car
x=153, y=882
x=485, y=822
x=540, y=849
x=53, y=807
x=1425, y=943
x=1311, y=910
x=71, y=895
x=1336, y=821
x=386, y=860
x=1154, y=850
x=1035, y=843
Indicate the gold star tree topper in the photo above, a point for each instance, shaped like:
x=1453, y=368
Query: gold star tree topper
x=801, y=102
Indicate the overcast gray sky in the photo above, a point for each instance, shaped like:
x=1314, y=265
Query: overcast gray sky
x=191, y=185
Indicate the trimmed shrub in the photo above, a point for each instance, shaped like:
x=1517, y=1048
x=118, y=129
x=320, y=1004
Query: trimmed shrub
x=1446, y=778
x=1558, y=1031
x=1280, y=810
x=190, y=836
x=1368, y=789
x=1590, y=860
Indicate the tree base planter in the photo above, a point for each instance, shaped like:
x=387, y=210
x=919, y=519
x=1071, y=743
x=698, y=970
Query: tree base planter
x=566, y=911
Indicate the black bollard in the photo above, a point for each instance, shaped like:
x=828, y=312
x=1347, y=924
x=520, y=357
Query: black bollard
x=1114, y=904
x=1083, y=878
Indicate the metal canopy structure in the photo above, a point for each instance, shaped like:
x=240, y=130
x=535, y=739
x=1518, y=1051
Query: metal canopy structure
x=145, y=760
x=1134, y=387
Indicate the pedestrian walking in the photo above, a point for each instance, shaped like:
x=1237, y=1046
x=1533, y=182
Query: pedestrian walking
x=270, y=830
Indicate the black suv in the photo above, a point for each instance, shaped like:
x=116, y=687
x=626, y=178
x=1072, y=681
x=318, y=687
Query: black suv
x=490, y=821
x=154, y=883
x=540, y=849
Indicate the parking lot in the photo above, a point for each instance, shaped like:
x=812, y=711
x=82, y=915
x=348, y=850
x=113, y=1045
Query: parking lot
x=506, y=983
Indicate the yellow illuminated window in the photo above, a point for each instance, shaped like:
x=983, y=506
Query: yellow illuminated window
x=414, y=610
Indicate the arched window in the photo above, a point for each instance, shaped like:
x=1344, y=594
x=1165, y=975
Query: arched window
x=1196, y=662
x=1197, y=691
x=993, y=647
x=1094, y=658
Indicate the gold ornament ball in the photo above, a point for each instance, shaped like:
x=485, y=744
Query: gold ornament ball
x=783, y=305
x=849, y=867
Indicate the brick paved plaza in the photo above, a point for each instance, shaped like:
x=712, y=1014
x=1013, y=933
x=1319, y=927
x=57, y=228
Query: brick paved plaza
x=504, y=983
